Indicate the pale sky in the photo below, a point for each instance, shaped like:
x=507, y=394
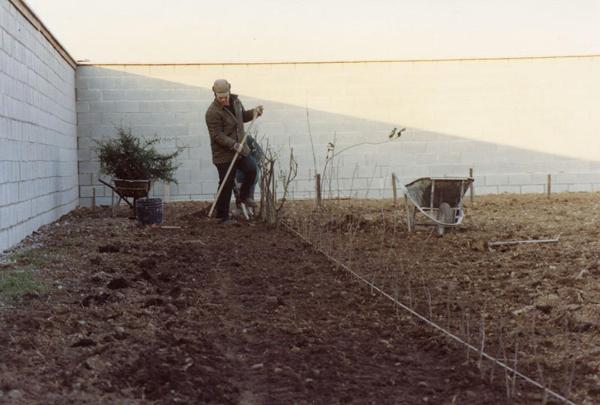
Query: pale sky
x=189, y=31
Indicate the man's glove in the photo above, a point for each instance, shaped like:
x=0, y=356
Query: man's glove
x=258, y=110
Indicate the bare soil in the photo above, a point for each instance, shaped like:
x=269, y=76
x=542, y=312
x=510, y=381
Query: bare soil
x=198, y=312
x=534, y=306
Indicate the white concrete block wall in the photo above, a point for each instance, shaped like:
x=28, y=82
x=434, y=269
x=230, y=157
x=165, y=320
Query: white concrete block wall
x=457, y=118
x=38, y=140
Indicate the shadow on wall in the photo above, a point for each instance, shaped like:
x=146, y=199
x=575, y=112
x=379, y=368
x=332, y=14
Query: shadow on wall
x=174, y=110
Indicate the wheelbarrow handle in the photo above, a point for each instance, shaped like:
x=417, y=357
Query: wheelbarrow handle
x=113, y=188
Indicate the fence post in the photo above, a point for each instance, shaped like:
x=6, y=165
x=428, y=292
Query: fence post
x=471, y=192
x=549, y=186
x=112, y=203
x=273, y=203
x=166, y=197
x=318, y=189
x=394, y=189
x=94, y=199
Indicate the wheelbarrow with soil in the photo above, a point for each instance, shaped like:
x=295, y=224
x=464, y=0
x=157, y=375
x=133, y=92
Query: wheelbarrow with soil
x=439, y=199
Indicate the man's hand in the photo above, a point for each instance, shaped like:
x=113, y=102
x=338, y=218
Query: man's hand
x=238, y=147
x=258, y=110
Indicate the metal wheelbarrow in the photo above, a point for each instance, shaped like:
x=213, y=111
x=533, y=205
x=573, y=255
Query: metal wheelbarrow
x=133, y=189
x=439, y=199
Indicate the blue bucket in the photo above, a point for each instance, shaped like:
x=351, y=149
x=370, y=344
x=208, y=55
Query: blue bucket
x=149, y=211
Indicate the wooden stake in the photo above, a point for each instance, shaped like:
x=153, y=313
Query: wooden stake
x=549, y=186
x=472, y=192
x=166, y=197
x=318, y=189
x=394, y=189
x=274, y=188
x=166, y=192
x=518, y=242
x=112, y=202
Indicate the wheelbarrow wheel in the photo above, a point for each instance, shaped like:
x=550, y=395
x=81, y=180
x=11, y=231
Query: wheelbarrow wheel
x=445, y=214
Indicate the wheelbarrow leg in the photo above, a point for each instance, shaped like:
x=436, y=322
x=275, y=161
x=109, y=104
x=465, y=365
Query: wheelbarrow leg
x=445, y=214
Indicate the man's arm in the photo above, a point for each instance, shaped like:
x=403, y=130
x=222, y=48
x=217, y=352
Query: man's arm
x=215, y=130
x=248, y=115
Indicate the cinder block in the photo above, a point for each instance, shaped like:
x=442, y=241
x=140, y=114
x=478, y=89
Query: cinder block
x=105, y=83
x=89, y=118
x=109, y=95
x=88, y=191
x=191, y=141
x=85, y=179
x=496, y=180
x=199, y=153
x=509, y=189
x=90, y=95
x=23, y=211
x=560, y=188
x=99, y=71
x=84, y=155
x=483, y=190
x=580, y=187
x=533, y=188
x=519, y=179
x=588, y=177
x=89, y=167
x=7, y=217
x=3, y=240
x=189, y=188
x=447, y=170
x=114, y=106
x=537, y=178
x=564, y=178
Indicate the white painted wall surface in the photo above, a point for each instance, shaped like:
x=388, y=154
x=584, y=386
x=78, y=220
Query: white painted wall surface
x=514, y=121
x=38, y=140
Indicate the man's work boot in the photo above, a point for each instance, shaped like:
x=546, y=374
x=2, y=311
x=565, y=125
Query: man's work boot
x=250, y=202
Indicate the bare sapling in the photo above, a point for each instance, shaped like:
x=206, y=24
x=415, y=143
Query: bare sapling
x=370, y=182
x=331, y=154
x=482, y=343
x=429, y=305
x=410, y=296
x=468, y=329
x=515, y=362
x=269, y=208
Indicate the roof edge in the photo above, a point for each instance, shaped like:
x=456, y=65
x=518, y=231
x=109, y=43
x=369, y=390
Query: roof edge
x=34, y=20
x=316, y=62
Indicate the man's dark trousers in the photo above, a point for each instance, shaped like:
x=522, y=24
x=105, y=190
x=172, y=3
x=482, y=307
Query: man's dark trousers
x=248, y=167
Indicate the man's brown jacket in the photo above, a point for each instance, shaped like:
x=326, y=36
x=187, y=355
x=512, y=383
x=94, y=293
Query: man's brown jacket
x=226, y=129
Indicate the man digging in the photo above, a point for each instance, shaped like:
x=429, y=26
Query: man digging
x=225, y=119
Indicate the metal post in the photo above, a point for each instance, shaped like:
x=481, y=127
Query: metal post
x=471, y=192
x=318, y=189
x=166, y=190
x=432, y=196
x=394, y=189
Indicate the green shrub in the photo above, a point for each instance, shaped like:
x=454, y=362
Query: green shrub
x=131, y=158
